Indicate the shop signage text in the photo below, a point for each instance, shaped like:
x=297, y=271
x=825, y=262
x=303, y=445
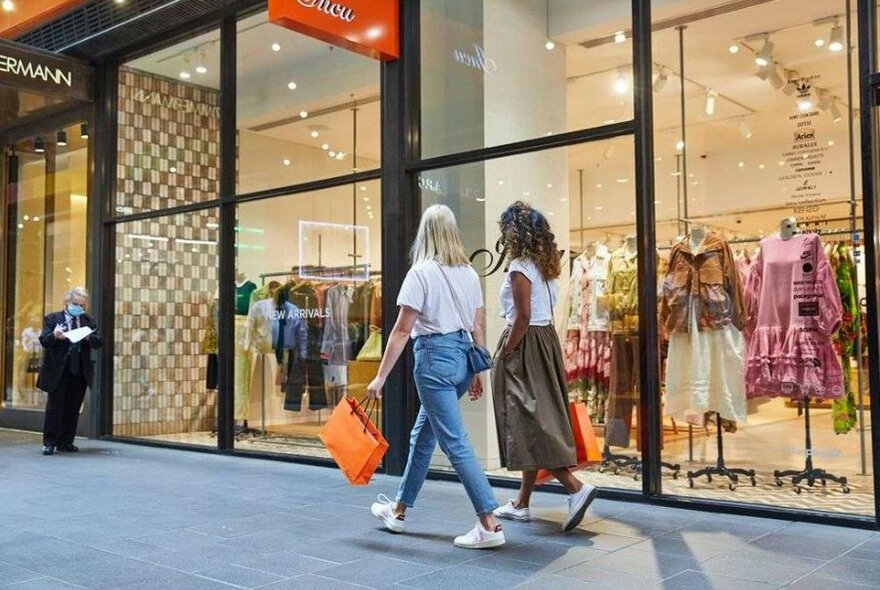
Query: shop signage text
x=175, y=103
x=369, y=27
x=43, y=73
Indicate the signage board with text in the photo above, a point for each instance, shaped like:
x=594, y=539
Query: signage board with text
x=22, y=68
x=369, y=27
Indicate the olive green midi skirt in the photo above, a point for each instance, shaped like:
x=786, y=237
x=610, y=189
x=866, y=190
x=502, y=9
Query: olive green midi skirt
x=531, y=403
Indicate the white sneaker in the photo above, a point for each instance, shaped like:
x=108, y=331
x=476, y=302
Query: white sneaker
x=480, y=538
x=577, y=506
x=384, y=511
x=510, y=512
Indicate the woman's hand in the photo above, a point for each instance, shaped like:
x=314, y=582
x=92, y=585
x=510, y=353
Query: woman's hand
x=375, y=388
x=476, y=388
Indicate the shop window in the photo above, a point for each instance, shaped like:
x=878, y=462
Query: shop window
x=169, y=127
x=760, y=208
x=500, y=71
x=165, y=341
x=308, y=323
x=307, y=110
x=46, y=196
x=587, y=193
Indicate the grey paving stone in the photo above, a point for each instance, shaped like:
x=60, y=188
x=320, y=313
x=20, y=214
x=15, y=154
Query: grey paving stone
x=640, y=564
x=821, y=531
x=436, y=553
x=696, y=550
x=124, y=547
x=555, y=556
x=239, y=576
x=180, y=539
x=198, y=557
x=178, y=581
x=602, y=578
x=781, y=569
x=10, y=574
x=464, y=578
x=42, y=584
x=816, y=582
x=870, y=549
x=312, y=582
x=109, y=572
x=560, y=583
x=692, y=580
x=377, y=571
x=39, y=554
x=852, y=570
x=285, y=564
x=812, y=547
x=591, y=540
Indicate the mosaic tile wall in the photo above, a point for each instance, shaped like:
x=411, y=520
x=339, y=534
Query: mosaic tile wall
x=166, y=268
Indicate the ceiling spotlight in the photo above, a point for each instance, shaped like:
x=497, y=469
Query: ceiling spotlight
x=325, y=146
x=340, y=155
x=660, y=81
x=819, y=42
x=291, y=85
x=39, y=145
x=775, y=79
x=835, y=43
x=679, y=145
x=61, y=138
x=84, y=130
x=549, y=45
x=303, y=114
x=733, y=48
x=805, y=102
x=286, y=161
x=119, y=1
x=331, y=154
x=314, y=133
x=184, y=75
x=763, y=73
x=8, y=5
x=824, y=100
x=710, y=102
x=745, y=130
x=276, y=47
x=836, y=115
x=619, y=37
x=201, y=68
x=621, y=86
x=765, y=55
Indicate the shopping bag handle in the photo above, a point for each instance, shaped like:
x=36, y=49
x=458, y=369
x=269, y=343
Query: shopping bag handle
x=371, y=406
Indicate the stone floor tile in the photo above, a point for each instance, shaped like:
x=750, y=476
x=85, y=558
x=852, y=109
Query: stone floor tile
x=697, y=550
x=811, y=547
x=178, y=581
x=693, y=580
x=312, y=582
x=591, y=540
x=377, y=571
x=780, y=570
x=464, y=578
x=42, y=584
x=285, y=564
x=644, y=565
x=598, y=577
x=106, y=573
x=852, y=570
x=239, y=576
x=817, y=582
x=560, y=583
x=9, y=574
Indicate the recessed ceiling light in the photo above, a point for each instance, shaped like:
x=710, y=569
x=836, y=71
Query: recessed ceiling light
x=830, y=142
x=37, y=218
x=303, y=114
x=314, y=133
x=172, y=170
x=619, y=37
x=340, y=155
x=332, y=154
x=599, y=207
x=363, y=187
x=819, y=42
x=679, y=145
x=201, y=70
x=366, y=199
x=27, y=217
x=741, y=164
x=276, y=47
x=599, y=185
x=623, y=180
x=291, y=85
x=621, y=86
x=549, y=186
x=760, y=166
x=325, y=146
x=286, y=161
x=550, y=45
x=563, y=199
x=8, y=5
x=184, y=75
x=500, y=183
x=733, y=48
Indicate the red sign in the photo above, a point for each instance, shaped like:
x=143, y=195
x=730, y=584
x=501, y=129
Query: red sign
x=370, y=27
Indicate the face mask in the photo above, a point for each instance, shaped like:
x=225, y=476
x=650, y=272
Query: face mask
x=75, y=310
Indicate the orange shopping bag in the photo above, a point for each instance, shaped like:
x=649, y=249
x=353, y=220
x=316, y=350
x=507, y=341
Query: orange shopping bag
x=353, y=440
x=585, y=442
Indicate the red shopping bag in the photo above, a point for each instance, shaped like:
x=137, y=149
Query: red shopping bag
x=353, y=440
x=585, y=442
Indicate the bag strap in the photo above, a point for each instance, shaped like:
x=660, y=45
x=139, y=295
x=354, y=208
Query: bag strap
x=455, y=300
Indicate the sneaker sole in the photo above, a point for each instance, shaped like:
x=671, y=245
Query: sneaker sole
x=488, y=544
x=393, y=527
x=516, y=518
x=576, y=518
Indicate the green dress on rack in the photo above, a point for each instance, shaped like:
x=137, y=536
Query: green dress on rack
x=844, y=409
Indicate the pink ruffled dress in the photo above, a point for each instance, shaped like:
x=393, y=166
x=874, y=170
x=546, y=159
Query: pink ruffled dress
x=794, y=309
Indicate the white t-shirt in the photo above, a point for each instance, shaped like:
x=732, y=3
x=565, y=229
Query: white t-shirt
x=426, y=291
x=542, y=300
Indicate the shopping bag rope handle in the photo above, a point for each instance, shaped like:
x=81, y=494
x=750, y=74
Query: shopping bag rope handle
x=371, y=406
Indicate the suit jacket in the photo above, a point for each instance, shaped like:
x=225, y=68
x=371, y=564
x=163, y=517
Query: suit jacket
x=56, y=352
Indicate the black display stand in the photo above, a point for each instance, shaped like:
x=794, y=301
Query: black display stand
x=720, y=468
x=615, y=463
x=809, y=474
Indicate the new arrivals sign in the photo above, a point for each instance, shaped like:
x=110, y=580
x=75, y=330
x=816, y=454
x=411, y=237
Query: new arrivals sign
x=369, y=27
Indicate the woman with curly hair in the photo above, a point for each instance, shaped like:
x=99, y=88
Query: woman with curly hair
x=528, y=380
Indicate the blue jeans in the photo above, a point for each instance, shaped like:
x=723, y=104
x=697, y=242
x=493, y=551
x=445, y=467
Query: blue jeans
x=442, y=376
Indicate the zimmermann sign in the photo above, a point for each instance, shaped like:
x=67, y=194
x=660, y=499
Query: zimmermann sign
x=23, y=68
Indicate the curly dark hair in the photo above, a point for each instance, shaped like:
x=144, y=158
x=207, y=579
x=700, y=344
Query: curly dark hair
x=526, y=233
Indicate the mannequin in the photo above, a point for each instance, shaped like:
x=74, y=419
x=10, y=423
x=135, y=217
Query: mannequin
x=631, y=245
x=697, y=236
x=788, y=227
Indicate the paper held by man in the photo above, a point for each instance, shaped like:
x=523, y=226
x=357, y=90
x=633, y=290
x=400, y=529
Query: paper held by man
x=78, y=334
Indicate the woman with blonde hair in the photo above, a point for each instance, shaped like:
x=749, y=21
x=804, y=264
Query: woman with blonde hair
x=528, y=379
x=441, y=303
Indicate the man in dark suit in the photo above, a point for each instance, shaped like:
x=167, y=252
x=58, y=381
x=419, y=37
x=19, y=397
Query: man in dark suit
x=66, y=370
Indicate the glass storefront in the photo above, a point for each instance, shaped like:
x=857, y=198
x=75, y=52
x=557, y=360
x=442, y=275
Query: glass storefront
x=764, y=366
